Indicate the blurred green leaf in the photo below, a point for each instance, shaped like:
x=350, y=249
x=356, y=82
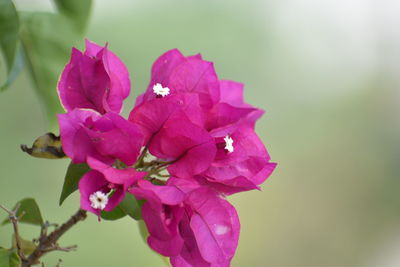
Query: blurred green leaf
x=132, y=207
x=31, y=211
x=19, y=63
x=71, y=180
x=9, y=27
x=144, y=233
x=9, y=258
x=27, y=246
x=47, y=40
x=77, y=10
x=113, y=215
x=129, y=206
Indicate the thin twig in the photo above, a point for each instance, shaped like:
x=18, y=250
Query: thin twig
x=12, y=215
x=56, y=247
x=48, y=243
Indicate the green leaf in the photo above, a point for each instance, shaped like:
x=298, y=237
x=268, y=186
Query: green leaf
x=113, y=215
x=31, y=211
x=77, y=10
x=9, y=27
x=71, y=180
x=47, y=40
x=14, y=260
x=129, y=206
x=9, y=258
x=19, y=64
x=27, y=246
x=144, y=233
x=132, y=207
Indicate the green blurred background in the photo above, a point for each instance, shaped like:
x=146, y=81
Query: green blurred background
x=326, y=72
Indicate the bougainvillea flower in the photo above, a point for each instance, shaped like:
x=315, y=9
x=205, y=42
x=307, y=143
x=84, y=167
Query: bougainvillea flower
x=189, y=148
x=161, y=213
x=244, y=168
x=194, y=227
x=220, y=220
x=104, y=187
x=182, y=74
x=95, y=79
x=195, y=126
x=215, y=225
x=108, y=137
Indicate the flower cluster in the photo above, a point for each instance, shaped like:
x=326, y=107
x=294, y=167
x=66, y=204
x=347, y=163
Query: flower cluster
x=188, y=143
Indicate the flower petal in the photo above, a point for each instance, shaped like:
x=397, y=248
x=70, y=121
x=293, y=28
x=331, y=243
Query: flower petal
x=215, y=225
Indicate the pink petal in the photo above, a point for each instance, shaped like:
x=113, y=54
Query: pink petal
x=114, y=67
x=121, y=138
x=160, y=72
x=91, y=182
x=185, y=143
x=153, y=114
x=95, y=79
x=125, y=177
x=190, y=254
x=168, y=195
x=215, y=225
x=75, y=141
x=196, y=76
x=231, y=93
x=184, y=75
x=83, y=83
x=171, y=247
x=227, y=116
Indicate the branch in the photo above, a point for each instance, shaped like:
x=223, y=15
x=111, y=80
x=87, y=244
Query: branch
x=12, y=215
x=48, y=243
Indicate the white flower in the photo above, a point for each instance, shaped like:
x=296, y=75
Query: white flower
x=229, y=143
x=98, y=200
x=158, y=89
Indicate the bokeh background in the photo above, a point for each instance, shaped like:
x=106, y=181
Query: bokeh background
x=326, y=72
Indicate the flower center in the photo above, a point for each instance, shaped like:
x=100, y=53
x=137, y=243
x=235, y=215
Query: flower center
x=98, y=200
x=229, y=144
x=158, y=89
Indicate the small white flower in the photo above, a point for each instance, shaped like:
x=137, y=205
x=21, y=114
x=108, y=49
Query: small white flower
x=98, y=200
x=228, y=143
x=158, y=89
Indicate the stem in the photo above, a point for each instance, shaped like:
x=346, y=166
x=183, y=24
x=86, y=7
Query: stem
x=12, y=215
x=140, y=160
x=48, y=243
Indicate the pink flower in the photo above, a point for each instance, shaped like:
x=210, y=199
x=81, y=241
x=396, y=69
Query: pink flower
x=108, y=137
x=191, y=224
x=95, y=79
x=104, y=187
x=244, y=167
x=182, y=74
x=197, y=127
x=162, y=213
